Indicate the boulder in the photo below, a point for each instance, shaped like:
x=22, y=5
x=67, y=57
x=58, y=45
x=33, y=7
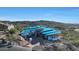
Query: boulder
x=22, y=42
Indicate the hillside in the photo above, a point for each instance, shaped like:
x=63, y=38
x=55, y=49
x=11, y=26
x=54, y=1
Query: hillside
x=45, y=23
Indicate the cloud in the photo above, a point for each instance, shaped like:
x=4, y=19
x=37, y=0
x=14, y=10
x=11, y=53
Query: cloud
x=17, y=19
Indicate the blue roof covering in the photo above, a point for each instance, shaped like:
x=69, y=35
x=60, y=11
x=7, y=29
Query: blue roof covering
x=44, y=30
x=47, y=29
x=52, y=33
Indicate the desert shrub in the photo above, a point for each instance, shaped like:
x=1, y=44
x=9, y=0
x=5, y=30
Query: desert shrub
x=72, y=37
x=18, y=27
x=11, y=37
x=12, y=31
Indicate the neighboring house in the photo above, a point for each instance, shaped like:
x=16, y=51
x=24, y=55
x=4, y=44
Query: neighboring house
x=3, y=27
x=6, y=26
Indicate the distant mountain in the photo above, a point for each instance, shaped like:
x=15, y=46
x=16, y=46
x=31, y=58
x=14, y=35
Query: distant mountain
x=45, y=23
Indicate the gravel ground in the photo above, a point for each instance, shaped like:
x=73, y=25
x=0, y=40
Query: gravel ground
x=15, y=48
x=48, y=46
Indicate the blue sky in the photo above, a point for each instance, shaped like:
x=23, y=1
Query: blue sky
x=59, y=14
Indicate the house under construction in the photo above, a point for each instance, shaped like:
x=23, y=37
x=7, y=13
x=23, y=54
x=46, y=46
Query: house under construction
x=46, y=33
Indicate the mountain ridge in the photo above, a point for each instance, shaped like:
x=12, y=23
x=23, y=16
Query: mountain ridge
x=45, y=23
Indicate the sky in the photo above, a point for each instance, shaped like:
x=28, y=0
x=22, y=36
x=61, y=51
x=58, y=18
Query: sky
x=58, y=14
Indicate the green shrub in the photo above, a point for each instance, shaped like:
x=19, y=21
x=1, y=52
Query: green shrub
x=12, y=31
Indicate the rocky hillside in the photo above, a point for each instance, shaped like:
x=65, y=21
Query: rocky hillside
x=70, y=36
